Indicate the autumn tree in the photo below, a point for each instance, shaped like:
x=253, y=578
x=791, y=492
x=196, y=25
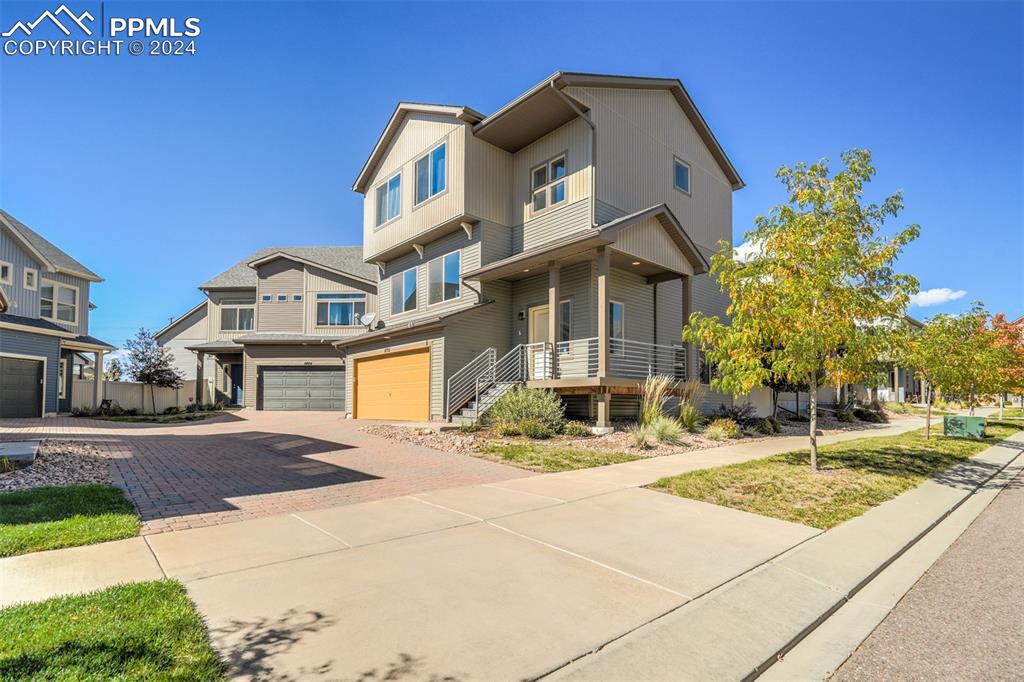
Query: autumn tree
x=1009, y=338
x=820, y=299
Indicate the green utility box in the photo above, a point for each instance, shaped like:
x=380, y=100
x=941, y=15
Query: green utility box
x=964, y=427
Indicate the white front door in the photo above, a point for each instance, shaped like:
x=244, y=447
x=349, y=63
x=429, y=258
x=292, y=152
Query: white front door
x=540, y=360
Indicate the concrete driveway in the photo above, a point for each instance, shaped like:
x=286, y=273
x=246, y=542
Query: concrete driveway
x=255, y=464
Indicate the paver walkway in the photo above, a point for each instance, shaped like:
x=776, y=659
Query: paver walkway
x=964, y=619
x=256, y=464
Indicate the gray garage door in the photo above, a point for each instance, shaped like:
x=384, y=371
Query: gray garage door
x=21, y=387
x=303, y=388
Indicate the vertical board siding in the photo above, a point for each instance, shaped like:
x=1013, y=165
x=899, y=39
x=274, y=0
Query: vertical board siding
x=710, y=300
x=488, y=181
x=649, y=241
x=576, y=284
x=24, y=343
x=639, y=133
x=605, y=212
x=23, y=301
x=82, y=327
x=418, y=134
x=637, y=298
x=285, y=277
x=260, y=355
x=318, y=281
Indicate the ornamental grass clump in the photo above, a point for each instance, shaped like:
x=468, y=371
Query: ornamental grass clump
x=523, y=403
x=575, y=429
x=667, y=430
x=653, y=396
x=723, y=429
x=638, y=432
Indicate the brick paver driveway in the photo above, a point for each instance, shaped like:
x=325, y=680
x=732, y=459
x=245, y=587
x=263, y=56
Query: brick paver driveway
x=254, y=464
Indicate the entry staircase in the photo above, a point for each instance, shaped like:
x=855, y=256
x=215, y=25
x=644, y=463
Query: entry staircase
x=476, y=387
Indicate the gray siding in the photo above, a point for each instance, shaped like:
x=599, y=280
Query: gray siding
x=710, y=300
x=83, y=300
x=280, y=277
x=23, y=301
x=577, y=284
x=37, y=345
x=551, y=225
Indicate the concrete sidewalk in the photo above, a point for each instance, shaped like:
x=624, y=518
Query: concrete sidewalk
x=497, y=581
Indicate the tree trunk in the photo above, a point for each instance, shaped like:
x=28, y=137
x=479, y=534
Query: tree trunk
x=797, y=393
x=928, y=414
x=973, y=399
x=152, y=396
x=814, y=422
x=1002, y=402
x=775, y=404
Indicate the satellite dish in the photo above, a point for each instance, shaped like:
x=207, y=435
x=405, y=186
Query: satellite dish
x=368, y=319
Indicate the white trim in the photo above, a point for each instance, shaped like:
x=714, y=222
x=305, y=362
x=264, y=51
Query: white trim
x=430, y=172
x=416, y=279
x=10, y=273
x=378, y=226
x=316, y=305
x=37, y=330
x=62, y=384
x=235, y=306
x=458, y=282
x=35, y=279
x=56, y=296
x=689, y=175
x=549, y=185
x=19, y=356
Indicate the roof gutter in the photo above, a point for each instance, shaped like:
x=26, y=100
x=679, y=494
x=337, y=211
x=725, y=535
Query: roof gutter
x=593, y=147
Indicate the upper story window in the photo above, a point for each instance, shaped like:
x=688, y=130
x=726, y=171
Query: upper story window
x=547, y=182
x=267, y=298
x=31, y=279
x=58, y=302
x=443, y=274
x=340, y=310
x=403, y=292
x=6, y=272
x=681, y=176
x=430, y=173
x=281, y=298
x=389, y=200
x=237, y=315
x=616, y=321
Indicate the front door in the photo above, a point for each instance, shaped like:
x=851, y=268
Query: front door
x=539, y=357
x=237, y=377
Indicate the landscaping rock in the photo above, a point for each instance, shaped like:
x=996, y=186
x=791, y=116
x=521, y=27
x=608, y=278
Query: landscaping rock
x=59, y=462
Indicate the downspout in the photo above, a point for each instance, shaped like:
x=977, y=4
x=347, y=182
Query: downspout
x=593, y=149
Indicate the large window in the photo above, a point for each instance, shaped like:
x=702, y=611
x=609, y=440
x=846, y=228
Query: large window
x=58, y=302
x=389, y=200
x=403, y=292
x=430, y=174
x=237, y=315
x=340, y=310
x=547, y=183
x=444, y=275
x=681, y=176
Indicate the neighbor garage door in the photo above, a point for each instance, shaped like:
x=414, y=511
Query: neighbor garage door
x=393, y=386
x=303, y=388
x=21, y=387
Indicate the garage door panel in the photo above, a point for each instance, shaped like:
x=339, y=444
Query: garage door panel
x=303, y=388
x=393, y=386
x=21, y=390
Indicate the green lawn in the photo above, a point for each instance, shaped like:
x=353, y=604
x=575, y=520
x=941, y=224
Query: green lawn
x=160, y=418
x=856, y=476
x=63, y=516
x=1012, y=412
x=543, y=457
x=141, y=631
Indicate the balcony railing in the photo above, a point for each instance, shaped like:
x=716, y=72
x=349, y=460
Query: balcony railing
x=627, y=359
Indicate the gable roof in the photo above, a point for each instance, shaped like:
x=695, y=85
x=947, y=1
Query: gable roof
x=172, y=323
x=344, y=259
x=43, y=250
x=394, y=123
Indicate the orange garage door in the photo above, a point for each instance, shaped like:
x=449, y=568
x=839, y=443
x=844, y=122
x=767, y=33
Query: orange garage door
x=393, y=386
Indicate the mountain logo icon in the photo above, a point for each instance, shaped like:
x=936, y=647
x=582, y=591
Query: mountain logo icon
x=69, y=16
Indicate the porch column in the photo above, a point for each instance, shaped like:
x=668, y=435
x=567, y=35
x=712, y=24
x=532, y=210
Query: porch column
x=554, y=323
x=97, y=385
x=200, y=379
x=603, y=329
x=690, y=354
x=603, y=422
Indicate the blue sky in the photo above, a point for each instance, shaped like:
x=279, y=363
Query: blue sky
x=160, y=172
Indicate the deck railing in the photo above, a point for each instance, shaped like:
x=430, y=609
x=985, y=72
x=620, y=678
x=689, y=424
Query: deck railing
x=628, y=359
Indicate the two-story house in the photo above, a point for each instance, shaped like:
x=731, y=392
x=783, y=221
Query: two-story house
x=263, y=334
x=559, y=242
x=44, y=323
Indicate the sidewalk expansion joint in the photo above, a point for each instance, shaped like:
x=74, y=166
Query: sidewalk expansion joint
x=155, y=557
x=447, y=509
x=316, y=527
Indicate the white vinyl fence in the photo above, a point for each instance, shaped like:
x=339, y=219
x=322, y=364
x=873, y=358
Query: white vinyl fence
x=134, y=395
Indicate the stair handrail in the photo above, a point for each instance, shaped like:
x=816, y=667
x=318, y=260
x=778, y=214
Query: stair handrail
x=465, y=383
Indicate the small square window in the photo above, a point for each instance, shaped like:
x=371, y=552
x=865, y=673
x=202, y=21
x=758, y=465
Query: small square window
x=267, y=298
x=540, y=200
x=547, y=185
x=557, y=193
x=681, y=178
x=31, y=279
x=281, y=298
x=5, y=272
x=297, y=297
x=540, y=177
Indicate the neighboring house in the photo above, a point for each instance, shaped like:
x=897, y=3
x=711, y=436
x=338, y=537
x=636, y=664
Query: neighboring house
x=44, y=324
x=559, y=242
x=263, y=335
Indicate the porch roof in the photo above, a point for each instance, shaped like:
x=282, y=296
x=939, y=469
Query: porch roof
x=225, y=346
x=84, y=342
x=282, y=338
x=575, y=248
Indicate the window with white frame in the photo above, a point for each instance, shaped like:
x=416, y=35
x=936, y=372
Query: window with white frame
x=6, y=272
x=62, y=374
x=430, y=173
x=444, y=275
x=547, y=184
x=58, y=302
x=681, y=175
x=267, y=298
x=340, y=310
x=389, y=200
x=282, y=298
x=31, y=279
x=237, y=315
x=403, y=292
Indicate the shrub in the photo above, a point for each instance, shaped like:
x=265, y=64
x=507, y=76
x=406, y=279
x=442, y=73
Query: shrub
x=506, y=429
x=941, y=404
x=531, y=428
x=471, y=427
x=764, y=426
x=128, y=413
x=901, y=408
x=690, y=417
x=192, y=406
x=723, y=429
x=638, y=432
x=667, y=430
x=576, y=429
x=5, y=466
x=529, y=403
x=745, y=415
x=653, y=396
x=171, y=410
x=844, y=414
x=866, y=415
